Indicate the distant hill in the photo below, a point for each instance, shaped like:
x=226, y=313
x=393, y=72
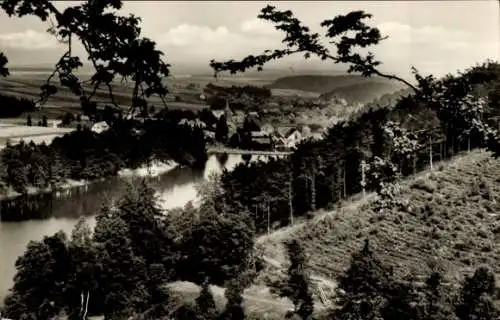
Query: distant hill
x=353, y=88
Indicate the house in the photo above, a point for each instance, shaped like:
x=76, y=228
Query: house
x=262, y=138
x=193, y=123
x=55, y=123
x=133, y=114
x=317, y=136
x=218, y=113
x=306, y=131
x=282, y=132
x=100, y=127
x=279, y=142
x=254, y=114
x=238, y=117
x=209, y=135
x=267, y=128
x=293, y=138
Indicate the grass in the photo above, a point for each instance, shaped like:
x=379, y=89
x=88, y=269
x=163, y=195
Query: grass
x=11, y=131
x=451, y=223
x=259, y=302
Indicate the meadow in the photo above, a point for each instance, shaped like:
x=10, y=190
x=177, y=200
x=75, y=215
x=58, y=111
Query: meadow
x=450, y=224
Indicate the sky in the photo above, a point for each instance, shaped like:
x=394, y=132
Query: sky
x=434, y=36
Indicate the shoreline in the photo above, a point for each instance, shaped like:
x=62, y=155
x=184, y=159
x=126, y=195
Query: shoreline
x=155, y=169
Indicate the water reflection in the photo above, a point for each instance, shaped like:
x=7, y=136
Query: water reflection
x=46, y=214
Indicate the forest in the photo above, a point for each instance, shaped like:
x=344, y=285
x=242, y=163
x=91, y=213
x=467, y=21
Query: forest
x=119, y=269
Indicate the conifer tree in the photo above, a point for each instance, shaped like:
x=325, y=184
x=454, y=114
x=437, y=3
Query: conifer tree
x=234, y=307
x=365, y=287
x=435, y=304
x=296, y=287
x=205, y=303
x=476, y=297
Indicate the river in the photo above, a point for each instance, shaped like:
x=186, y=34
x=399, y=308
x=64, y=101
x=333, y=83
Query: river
x=50, y=213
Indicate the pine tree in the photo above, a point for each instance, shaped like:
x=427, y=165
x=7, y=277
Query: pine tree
x=205, y=303
x=365, y=286
x=296, y=287
x=434, y=305
x=149, y=239
x=234, y=307
x=476, y=297
x=221, y=129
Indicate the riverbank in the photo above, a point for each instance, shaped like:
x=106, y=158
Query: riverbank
x=155, y=169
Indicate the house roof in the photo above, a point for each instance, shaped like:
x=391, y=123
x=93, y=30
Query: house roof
x=259, y=134
x=291, y=131
x=282, y=131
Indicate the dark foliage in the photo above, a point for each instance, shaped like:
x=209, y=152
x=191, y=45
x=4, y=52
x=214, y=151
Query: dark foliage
x=221, y=129
x=13, y=107
x=476, y=299
x=296, y=288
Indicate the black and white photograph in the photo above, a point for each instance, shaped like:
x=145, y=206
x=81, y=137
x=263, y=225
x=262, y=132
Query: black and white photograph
x=249, y=160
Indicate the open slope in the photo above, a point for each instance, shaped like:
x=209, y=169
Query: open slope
x=451, y=222
x=353, y=88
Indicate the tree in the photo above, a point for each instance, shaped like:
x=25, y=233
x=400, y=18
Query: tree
x=218, y=246
x=44, y=121
x=113, y=43
x=221, y=129
x=235, y=141
x=205, y=303
x=138, y=209
x=122, y=275
x=434, y=305
x=211, y=194
x=234, y=307
x=4, y=71
x=28, y=121
x=365, y=287
x=476, y=297
x=250, y=124
x=39, y=284
x=82, y=280
x=296, y=287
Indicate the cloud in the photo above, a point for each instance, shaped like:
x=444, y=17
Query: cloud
x=403, y=33
x=432, y=49
x=188, y=40
x=29, y=40
x=189, y=35
x=258, y=26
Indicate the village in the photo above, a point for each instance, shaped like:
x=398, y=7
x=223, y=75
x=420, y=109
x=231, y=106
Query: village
x=260, y=135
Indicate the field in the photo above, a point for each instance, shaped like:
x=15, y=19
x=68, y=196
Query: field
x=451, y=224
x=10, y=131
